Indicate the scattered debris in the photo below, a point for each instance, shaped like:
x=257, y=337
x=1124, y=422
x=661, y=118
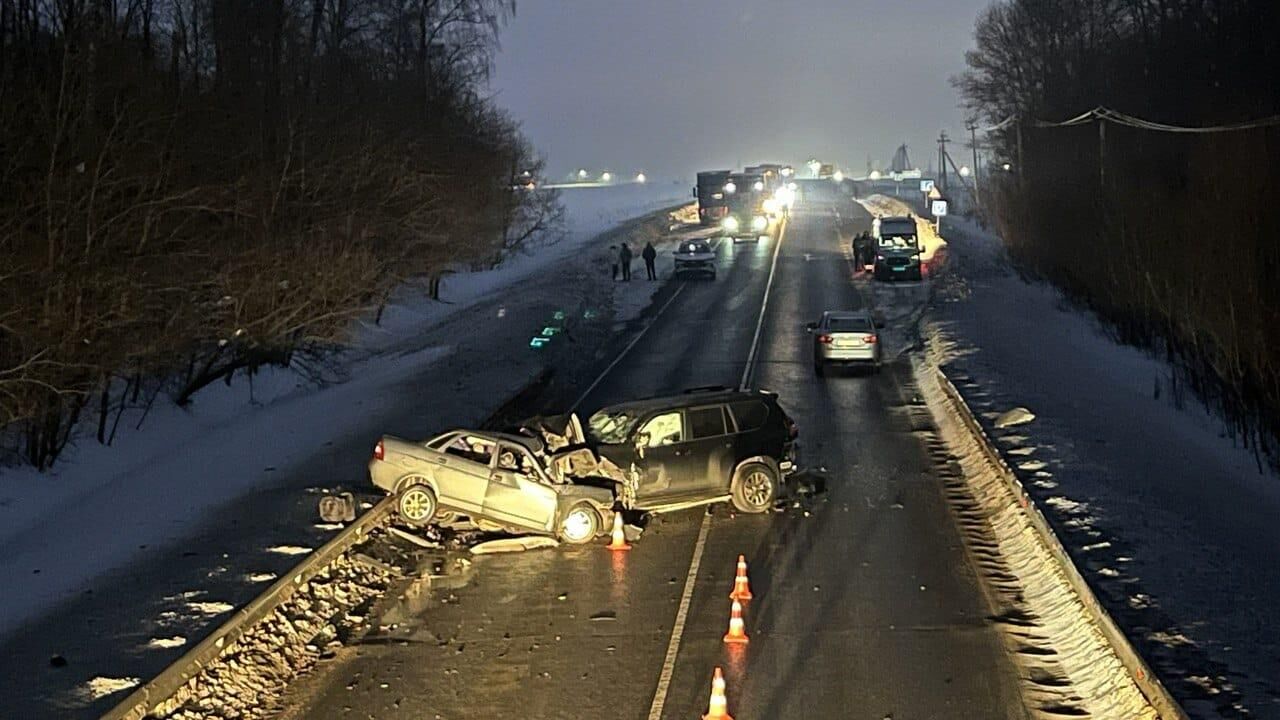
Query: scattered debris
x=515, y=544
x=1016, y=416
x=410, y=537
x=338, y=508
x=57, y=661
x=605, y=615
x=260, y=577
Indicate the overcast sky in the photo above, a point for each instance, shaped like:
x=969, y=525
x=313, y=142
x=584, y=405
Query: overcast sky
x=673, y=86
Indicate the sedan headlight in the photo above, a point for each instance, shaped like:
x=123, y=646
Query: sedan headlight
x=771, y=205
x=759, y=223
x=730, y=223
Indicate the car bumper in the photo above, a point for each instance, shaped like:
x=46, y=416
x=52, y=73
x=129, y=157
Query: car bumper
x=850, y=355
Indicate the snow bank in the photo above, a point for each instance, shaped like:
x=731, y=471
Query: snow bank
x=1067, y=666
x=1189, y=515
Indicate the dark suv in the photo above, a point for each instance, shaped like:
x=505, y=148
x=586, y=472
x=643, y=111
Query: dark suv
x=703, y=446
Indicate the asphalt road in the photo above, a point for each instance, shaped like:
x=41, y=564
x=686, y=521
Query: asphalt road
x=866, y=604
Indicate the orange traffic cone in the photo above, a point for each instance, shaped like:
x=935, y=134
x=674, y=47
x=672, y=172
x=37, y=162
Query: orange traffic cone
x=718, y=709
x=741, y=588
x=619, y=540
x=737, y=629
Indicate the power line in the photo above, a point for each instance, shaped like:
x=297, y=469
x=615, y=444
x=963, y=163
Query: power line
x=1119, y=118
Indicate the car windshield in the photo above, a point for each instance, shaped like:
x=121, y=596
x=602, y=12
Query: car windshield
x=898, y=242
x=612, y=427
x=848, y=324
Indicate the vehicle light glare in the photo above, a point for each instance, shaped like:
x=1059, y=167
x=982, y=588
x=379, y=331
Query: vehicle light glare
x=730, y=188
x=759, y=186
x=640, y=177
x=759, y=223
x=838, y=176
x=730, y=223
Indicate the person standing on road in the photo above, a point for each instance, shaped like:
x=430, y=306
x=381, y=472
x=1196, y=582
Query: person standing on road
x=613, y=250
x=624, y=259
x=650, y=255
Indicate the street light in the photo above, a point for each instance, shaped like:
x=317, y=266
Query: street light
x=1007, y=167
x=838, y=176
x=582, y=174
x=606, y=177
x=640, y=177
x=964, y=171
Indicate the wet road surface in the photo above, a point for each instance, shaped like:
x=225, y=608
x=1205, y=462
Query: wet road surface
x=866, y=605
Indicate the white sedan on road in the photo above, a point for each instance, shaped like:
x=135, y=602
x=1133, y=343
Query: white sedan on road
x=845, y=338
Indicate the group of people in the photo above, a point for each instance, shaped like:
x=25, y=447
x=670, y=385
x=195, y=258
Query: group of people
x=622, y=260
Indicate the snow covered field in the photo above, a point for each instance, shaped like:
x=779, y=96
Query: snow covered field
x=102, y=508
x=1172, y=523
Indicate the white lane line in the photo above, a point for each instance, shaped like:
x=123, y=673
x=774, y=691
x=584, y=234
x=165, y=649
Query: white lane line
x=755, y=341
x=677, y=632
x=627, y=349
x=686, y=597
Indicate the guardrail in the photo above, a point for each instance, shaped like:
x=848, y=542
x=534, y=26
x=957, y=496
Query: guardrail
x=145, y=698
x=1146, y=681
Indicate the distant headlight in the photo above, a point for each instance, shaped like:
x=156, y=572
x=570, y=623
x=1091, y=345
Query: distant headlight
x=730, y=223
x=770, y=205
x=759, y=223
x=758, y=187
x=879, y=257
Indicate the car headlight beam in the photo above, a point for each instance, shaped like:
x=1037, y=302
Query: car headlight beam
x=759, y=223
x=730, y=223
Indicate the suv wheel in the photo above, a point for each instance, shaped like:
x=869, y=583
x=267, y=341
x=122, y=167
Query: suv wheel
x=754, y=488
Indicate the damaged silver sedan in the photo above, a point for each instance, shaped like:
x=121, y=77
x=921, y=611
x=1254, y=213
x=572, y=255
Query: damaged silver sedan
x=501, y=482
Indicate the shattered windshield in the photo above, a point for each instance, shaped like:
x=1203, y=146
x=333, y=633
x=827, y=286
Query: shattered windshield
x=612, y=428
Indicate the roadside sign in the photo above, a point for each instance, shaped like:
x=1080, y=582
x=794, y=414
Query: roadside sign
x=897, y=177
x=934, y=194
x=926, y=186
x=939, y=208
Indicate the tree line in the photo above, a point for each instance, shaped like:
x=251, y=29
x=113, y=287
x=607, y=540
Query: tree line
x=191, y=189
x=1170, y=237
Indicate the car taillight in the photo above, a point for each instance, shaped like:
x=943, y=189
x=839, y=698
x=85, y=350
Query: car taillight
x=379, y=451
x=869, y=339
x=824, y=339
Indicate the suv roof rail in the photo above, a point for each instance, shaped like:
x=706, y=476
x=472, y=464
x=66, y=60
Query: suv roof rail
x=707, y=388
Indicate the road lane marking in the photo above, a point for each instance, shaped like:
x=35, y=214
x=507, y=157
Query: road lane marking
x=686, y=597
x=627, y=349
x=677, y=632
x=768, y=286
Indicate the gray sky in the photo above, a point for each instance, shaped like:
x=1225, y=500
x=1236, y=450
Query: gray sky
x=673, y=86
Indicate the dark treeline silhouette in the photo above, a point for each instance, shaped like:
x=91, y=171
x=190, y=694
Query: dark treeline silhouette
x=1172, y=238
x=192, y=188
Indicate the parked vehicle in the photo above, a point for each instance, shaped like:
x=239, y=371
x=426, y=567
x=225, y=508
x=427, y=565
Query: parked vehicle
x=500, y=481
x=746, y=218
x=695, y=257
x=898, y=254
x=845, y=338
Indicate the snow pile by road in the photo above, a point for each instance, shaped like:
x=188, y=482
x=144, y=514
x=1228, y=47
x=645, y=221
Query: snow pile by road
x=1067, y=666
x=930, y=241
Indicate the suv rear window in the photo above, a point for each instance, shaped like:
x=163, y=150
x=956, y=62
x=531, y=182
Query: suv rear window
x=706, y=422
x=749, y=414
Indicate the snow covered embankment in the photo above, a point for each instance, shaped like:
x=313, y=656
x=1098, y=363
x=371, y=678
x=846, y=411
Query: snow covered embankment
x=1067, y=664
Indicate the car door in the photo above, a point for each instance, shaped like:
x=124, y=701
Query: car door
x=660, y=440
x=461, y=471
x=707, y=457
x=518, y=493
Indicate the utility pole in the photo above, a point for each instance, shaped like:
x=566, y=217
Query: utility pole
x=973, y=143
x=942, y=158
